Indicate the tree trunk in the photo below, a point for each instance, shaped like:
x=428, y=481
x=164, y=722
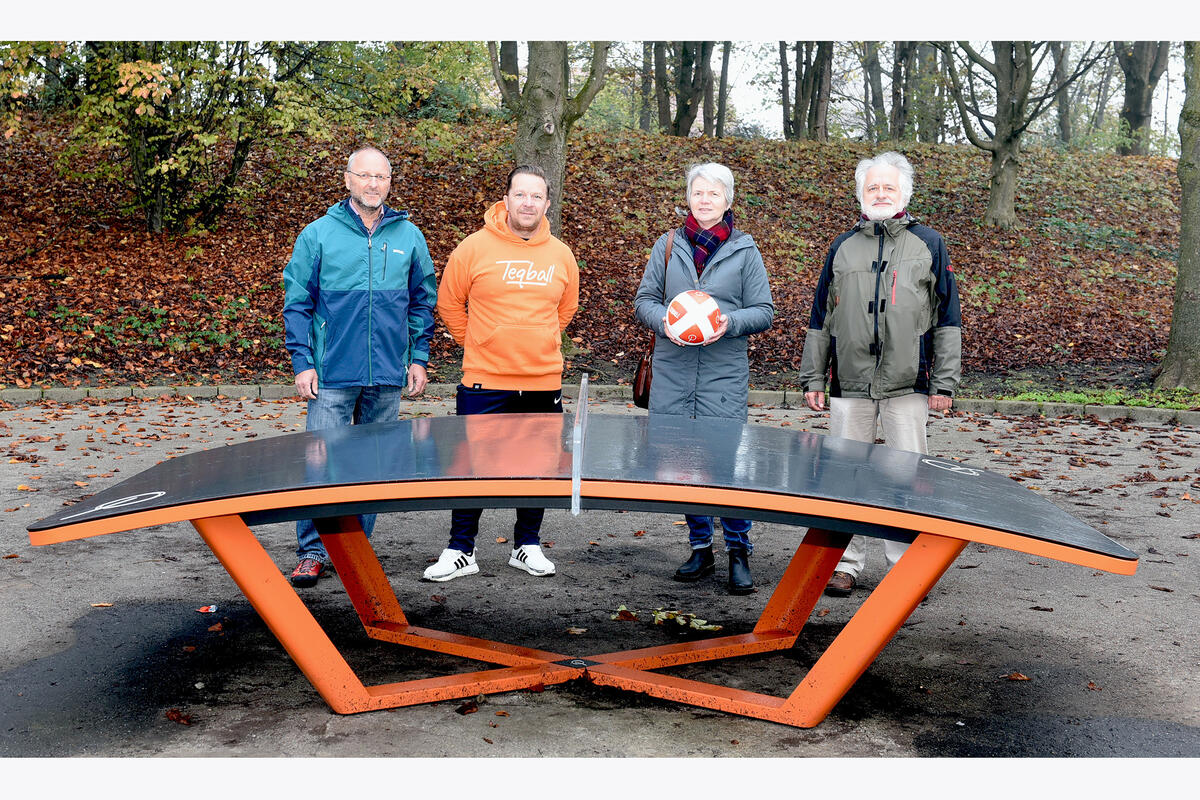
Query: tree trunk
x=692, y=70
x=1143, y=64
x=877, y=121
x=545, y=112
x=930, y=115
x=647, y=87
x=788, y=133
x=662, y=91
x=1104, y=94
x=710, y=111
x=511, y=71
x=723, y=91
x=902, y=69
x=818, y=114
x=805, y=88
x=1061, y=52
x=1181, y=365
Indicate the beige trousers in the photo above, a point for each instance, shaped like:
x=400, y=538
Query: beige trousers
x=903, y=422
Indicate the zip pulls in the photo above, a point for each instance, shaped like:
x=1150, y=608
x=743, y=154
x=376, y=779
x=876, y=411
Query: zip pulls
x=893, y=287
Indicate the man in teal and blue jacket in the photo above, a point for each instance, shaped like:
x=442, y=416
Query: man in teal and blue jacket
x=359, y=295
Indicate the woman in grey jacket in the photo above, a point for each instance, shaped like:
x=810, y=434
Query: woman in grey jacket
x=710, y=380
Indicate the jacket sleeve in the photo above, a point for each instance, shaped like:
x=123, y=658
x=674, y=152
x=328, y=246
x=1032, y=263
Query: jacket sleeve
x=301, y=281
x=648, y=303
x=814, y=360
x=757, y=309
x=422, y=299
x=568, y=304
x=947, y=331
x=452, y=294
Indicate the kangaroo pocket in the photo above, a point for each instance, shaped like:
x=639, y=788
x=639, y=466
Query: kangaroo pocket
x=514, y=350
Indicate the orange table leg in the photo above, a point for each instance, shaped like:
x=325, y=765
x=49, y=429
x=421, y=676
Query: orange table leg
x=361, y=573
x=799, y=589
x=871, y=628
x=276, y=602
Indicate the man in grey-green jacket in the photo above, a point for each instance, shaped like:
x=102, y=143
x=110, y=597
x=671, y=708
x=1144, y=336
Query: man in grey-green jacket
x=885, y=331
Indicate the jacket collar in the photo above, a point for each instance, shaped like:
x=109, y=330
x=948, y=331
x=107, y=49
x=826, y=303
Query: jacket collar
x=343, y=211
x=892, y=227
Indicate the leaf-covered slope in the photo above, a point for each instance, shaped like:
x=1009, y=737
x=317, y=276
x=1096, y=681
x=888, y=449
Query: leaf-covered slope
x=93, y=299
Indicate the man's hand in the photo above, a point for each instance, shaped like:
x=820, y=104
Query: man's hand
x=940, y=402
x=306, y=384
x=815, y=400
x=418, y=379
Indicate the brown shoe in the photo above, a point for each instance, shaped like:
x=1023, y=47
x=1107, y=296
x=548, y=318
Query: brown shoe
x=840, y=585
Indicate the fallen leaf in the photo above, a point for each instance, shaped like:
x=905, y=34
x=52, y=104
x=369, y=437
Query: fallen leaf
x=12, y=555
x=177, y=716
x=489, y=741
x=1160, y=588
x=101, y=605
x=503, y=714
x=215, y=628
x=1093, y=687
x=823, y=612
x=501, y=540
x=1040, y=608
x=440, y=599
x=576, y=631
x=624, y=614
x=467, y=707
x=1015, y=676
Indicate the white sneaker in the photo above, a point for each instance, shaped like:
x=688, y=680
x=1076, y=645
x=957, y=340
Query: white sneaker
x=451, y=564
x=529, y=558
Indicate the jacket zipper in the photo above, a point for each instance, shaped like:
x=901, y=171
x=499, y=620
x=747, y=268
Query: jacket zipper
x=370, y=308
x=875, y=313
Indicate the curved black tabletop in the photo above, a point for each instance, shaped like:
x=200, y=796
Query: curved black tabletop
x=672, y=463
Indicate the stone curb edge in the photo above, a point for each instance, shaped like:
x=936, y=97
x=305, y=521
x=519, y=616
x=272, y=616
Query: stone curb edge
x=771, y=398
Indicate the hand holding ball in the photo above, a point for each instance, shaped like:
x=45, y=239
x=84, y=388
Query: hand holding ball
x=693, y=317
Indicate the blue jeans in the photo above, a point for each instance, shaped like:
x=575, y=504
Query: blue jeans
x=358, y=405
x=737, y=532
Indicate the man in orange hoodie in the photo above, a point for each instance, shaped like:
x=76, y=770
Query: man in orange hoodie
x=507, y=294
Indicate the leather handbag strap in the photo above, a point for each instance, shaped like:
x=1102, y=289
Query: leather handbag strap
x=666, y=263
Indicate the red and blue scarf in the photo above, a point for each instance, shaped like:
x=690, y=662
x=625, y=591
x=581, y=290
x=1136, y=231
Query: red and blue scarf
x=705, y=242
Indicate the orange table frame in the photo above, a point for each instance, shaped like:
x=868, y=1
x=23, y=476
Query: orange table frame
x=799, y=588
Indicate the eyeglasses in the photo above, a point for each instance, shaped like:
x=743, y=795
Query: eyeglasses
x=366, y=176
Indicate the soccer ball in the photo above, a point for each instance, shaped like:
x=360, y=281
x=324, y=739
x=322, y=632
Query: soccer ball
x=693, y=316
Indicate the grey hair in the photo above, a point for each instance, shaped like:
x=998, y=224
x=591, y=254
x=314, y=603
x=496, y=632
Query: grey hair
x=713, y=173
x=367, y=149
x=888, y=159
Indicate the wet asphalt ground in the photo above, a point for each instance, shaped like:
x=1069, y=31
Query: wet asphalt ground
x=104, y=653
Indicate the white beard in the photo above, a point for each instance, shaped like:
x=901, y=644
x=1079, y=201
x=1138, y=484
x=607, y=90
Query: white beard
x=878, y=213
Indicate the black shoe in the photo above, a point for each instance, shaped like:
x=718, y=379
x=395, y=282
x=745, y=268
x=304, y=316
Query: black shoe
x=696, y=567
x=740, y=581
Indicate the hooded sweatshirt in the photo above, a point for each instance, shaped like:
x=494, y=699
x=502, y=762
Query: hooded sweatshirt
x=507, y=301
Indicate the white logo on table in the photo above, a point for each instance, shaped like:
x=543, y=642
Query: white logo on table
x=523, y=273
x=949, y=467
x=120, y=502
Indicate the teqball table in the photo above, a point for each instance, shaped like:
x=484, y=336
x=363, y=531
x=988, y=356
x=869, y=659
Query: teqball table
x=833, y=487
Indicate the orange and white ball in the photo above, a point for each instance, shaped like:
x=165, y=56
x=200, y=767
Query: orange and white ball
x=693, y=316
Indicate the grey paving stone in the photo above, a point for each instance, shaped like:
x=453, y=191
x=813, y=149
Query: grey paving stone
x=238, y=390
x=62, y=394
x=19, y=396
